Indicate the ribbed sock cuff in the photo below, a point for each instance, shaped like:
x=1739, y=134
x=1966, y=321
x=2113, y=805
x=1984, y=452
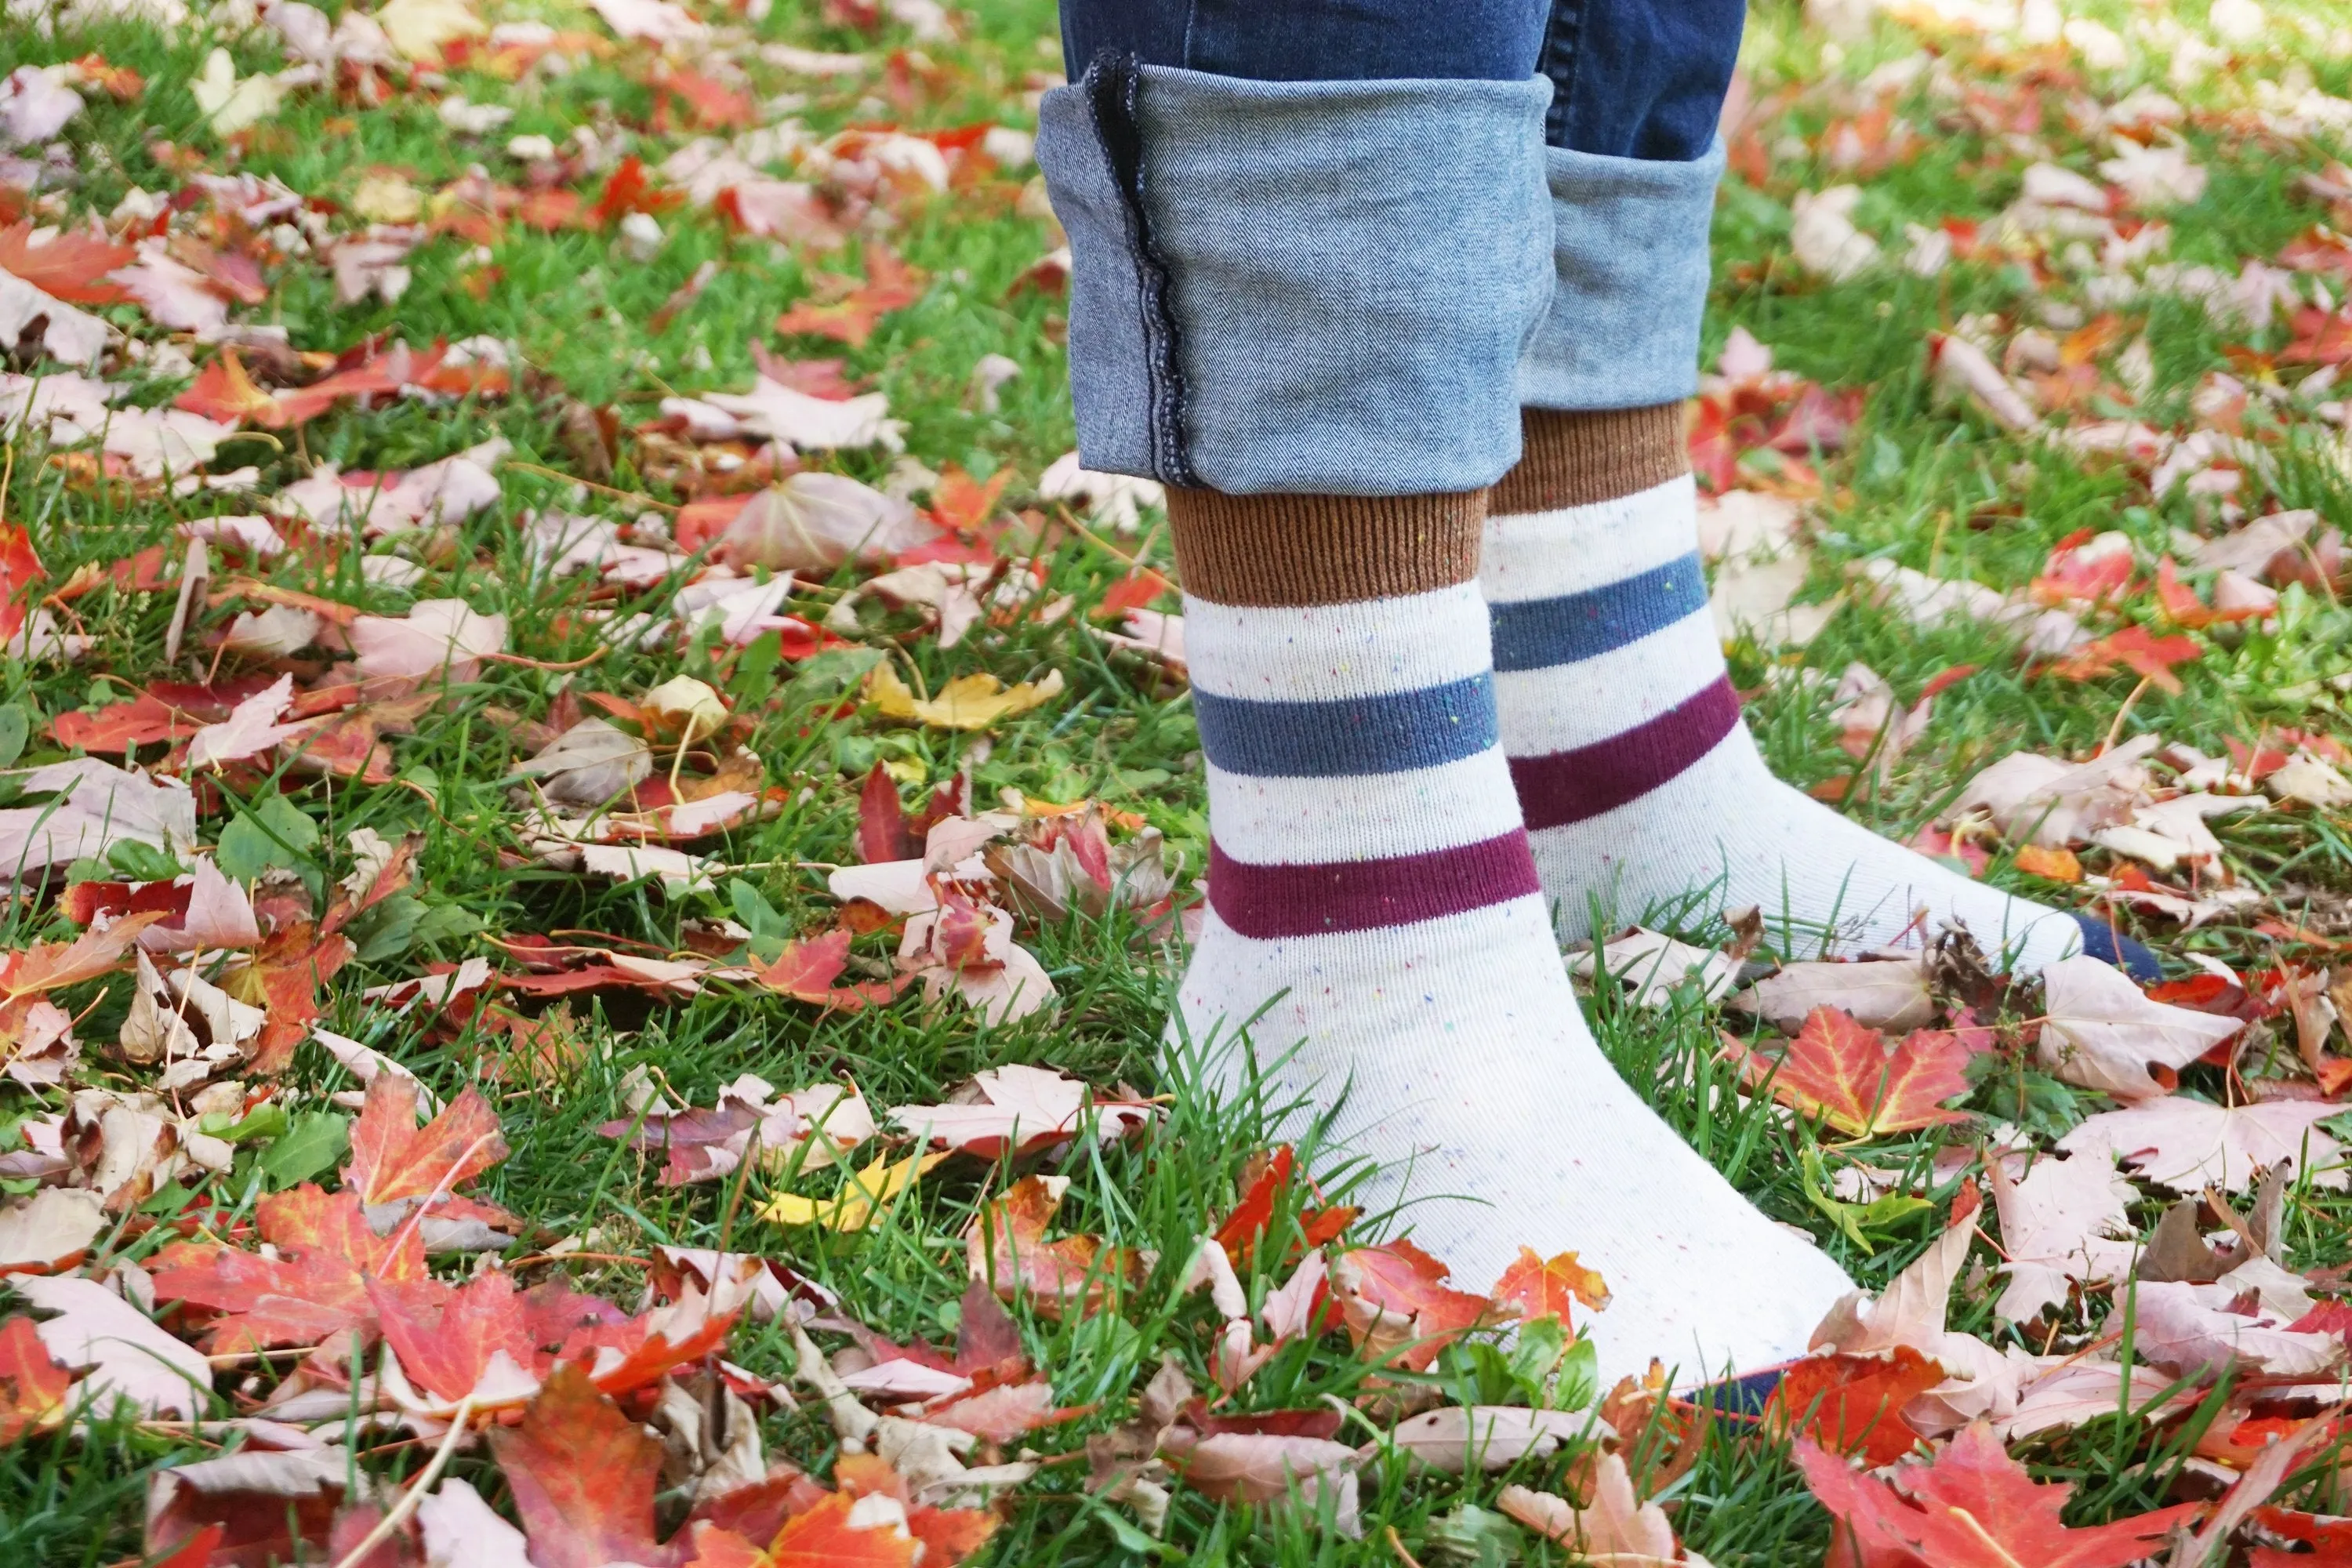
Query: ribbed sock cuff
x=1285, y=549
x=1579, y=457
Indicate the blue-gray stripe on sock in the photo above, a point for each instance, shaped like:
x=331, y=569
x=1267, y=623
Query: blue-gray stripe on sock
x=1385, y=734
x=1536, y=634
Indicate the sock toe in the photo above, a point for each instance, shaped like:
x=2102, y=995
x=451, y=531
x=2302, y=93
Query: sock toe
x=2108, y=945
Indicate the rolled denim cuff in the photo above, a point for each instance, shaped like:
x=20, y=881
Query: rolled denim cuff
x=1320, y=287
x=1630, y=241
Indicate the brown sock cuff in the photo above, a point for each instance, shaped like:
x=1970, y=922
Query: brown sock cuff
x=1290, y=550
x=1577, y=458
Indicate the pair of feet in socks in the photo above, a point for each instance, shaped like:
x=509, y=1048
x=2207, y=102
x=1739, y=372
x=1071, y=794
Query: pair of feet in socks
x=1405, y=790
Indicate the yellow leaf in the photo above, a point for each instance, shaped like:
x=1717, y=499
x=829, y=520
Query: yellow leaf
x=418, y=29
x=853, y=1207
x=966, y=702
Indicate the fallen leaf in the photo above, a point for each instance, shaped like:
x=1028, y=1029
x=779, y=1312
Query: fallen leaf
x=583, y=1476
x=392, y=1158
x=1972, y=1506
x=32, y=1384
x=1853, y=1405
x=1876, y=993
x=2064, y=1222
x=1543, y=1287
x=2185, y=1144
x=130, y=1361
x=313, y=1288
x=1021, y=1110
x=1616, y=1527
x=1839, y=1070
x=863, y=1196
x=2100, y=1030
x=49, y=1231
x=1457, y=1439
x=975, y=702
x=2196, y=1329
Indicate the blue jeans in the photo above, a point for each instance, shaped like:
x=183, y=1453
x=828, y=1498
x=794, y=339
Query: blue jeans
x=1335, y=244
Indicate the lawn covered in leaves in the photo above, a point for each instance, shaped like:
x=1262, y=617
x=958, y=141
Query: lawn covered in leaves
x=601, y=822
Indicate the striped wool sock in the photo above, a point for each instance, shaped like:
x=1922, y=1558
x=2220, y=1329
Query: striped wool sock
x=1375, y=924
x=1640, y=784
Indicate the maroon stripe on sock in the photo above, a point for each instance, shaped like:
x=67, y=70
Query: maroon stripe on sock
x=1573, y=786
x=1279, y=901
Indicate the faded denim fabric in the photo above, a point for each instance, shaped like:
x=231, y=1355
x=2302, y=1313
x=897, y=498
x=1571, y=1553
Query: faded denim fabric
x=1630, y=241
x=1300, y=286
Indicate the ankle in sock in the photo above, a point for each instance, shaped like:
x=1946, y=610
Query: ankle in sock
x=1376, y=937
x=1640, y=784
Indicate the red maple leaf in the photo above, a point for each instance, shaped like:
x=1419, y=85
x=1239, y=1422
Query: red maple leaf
x=627, y=190
x=857, y=308
x=20, y=576
x=583, y=1477
x=961, y=510
x=315, y=1288
x=882, y=831
x=392, y=1158
x=32, y=1386
x=143, y=721
x=2186, y=609
x=2135, y=648
x=1839, y=1070
x=806, y=971
x=283, y=978
x=1543, y=1287
x=71, y=267
x=445, y=1338
x=824, y=1538
x=1974, y=1507
x=1853, y=1404
x=1243, y=1228
x=1400, y=1278
x=2076, y=573
x=713, y=105
x=2330, y=1537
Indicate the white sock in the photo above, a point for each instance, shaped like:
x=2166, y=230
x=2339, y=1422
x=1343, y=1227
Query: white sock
x=1641, y=784
x=1370, y=878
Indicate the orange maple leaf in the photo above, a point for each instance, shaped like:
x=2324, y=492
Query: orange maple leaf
x=32, y=1386
x=71, y=267
x=2135, y=648
x=1842, y=1072
x=1399, y=1280
x=21, y=573
x=851, y=317
x=582, y=1475
x=824, y=1538
x=806, y=971
x=1853, y=1404
x=1006, y=1246
x=315, y=1288
x=1543, y=1287
x=392, y=1158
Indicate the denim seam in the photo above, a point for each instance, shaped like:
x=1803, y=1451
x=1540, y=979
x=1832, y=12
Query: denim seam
x=1113, y=83
x=1560, y=59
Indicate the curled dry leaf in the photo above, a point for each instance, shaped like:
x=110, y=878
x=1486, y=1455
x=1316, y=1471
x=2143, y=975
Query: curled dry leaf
x=1890, y=993
x=1459, y=1438
x=1616, y=1527
x=1023, y=1110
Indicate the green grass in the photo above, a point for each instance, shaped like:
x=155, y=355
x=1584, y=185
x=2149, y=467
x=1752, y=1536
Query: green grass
x=1920, y=484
